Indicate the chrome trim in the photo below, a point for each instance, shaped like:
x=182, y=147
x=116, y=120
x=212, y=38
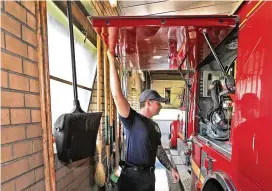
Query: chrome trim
x=215, y=146
x=223, y=180
x=196, y=141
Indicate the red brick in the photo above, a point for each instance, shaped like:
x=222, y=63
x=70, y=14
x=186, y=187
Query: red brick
x=79, y=170
x=36, y=115
x=25, y=180
x=66, y=180
x=30, y=5
x=3, y=40
x=30, y=68
x=38, y=186
x=37, y=145
x=85, y=185
x=29, y=36
x=76, y=182
x=18, y=82
x=31, y=20
x=58, y=186
x=60, y=173
x=20, y=116
x=16, y=10
x=70, y=168
x=39, y=173
x=34, y=86
x=33, y=130
x=10, y=25
x=12, y=99
x=16, y=46
x=32, y=54
x=36, y=160
x=22, y=149
x=6, y=153
x=11, y=134
x=10, y=62
x=14, y=169
x=32, y=100
x=8, y=186
x=75, y=164
x=4, y=79
x=85, y=174
x=5, y=117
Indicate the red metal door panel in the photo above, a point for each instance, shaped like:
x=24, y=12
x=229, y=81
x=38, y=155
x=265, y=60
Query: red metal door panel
x=252, y=142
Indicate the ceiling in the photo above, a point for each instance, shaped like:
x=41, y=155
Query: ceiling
x=172, y=7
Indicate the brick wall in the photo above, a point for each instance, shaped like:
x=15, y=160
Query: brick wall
x=135, y=104
x=81, y=176
x=133, y=90
x=21, y=141
x=77, y=177
x=93, y=108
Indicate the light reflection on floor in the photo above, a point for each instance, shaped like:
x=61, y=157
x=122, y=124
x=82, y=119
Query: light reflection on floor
x=161, y=178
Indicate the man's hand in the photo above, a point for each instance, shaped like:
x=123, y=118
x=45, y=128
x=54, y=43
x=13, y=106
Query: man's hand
x=175, y=175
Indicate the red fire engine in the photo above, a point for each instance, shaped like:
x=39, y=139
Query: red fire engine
x=226, y=64
x=232, y=147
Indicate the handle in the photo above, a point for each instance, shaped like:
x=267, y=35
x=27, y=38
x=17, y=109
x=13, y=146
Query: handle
x=72, y=47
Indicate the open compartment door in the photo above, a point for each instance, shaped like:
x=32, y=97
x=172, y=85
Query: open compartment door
x=162, y=42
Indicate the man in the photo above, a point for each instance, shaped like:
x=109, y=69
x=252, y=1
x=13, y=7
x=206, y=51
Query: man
x=143, y=137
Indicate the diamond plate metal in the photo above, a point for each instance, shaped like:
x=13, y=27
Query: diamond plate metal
x=174, y=152
x=185, y=177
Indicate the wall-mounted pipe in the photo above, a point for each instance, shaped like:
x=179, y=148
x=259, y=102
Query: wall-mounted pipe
x=44, y=83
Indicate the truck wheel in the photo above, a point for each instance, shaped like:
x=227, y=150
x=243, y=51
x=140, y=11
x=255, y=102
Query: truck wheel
x=212, y=185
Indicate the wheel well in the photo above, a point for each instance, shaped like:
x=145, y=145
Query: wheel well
x=212, y=185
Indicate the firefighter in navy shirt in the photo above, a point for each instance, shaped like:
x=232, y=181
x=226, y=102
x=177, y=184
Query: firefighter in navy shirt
x=142, y=136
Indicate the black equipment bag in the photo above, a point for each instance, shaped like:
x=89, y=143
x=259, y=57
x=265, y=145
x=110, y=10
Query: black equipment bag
x=76, y=133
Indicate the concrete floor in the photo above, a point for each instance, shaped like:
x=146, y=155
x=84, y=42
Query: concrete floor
x=164, y=181
x=161, y=178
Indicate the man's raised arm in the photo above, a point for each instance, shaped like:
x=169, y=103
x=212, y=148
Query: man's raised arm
x=121, y=102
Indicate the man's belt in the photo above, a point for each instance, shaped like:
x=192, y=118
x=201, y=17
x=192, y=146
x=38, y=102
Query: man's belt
x=125, y=165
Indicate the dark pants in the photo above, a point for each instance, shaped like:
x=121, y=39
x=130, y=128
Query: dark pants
x=136, y=180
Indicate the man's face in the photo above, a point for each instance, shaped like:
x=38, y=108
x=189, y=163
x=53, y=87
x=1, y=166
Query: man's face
x=155, y=107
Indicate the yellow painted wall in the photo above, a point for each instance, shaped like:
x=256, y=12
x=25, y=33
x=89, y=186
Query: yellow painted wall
x=134, y=90
x=176, y=86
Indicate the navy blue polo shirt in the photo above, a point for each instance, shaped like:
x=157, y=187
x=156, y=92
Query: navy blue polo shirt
x=142, y=138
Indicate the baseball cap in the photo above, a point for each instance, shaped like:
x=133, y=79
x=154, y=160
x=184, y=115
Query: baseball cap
x=151, y=95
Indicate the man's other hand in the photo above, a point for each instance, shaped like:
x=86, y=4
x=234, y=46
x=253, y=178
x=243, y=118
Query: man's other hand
x=175, y=175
